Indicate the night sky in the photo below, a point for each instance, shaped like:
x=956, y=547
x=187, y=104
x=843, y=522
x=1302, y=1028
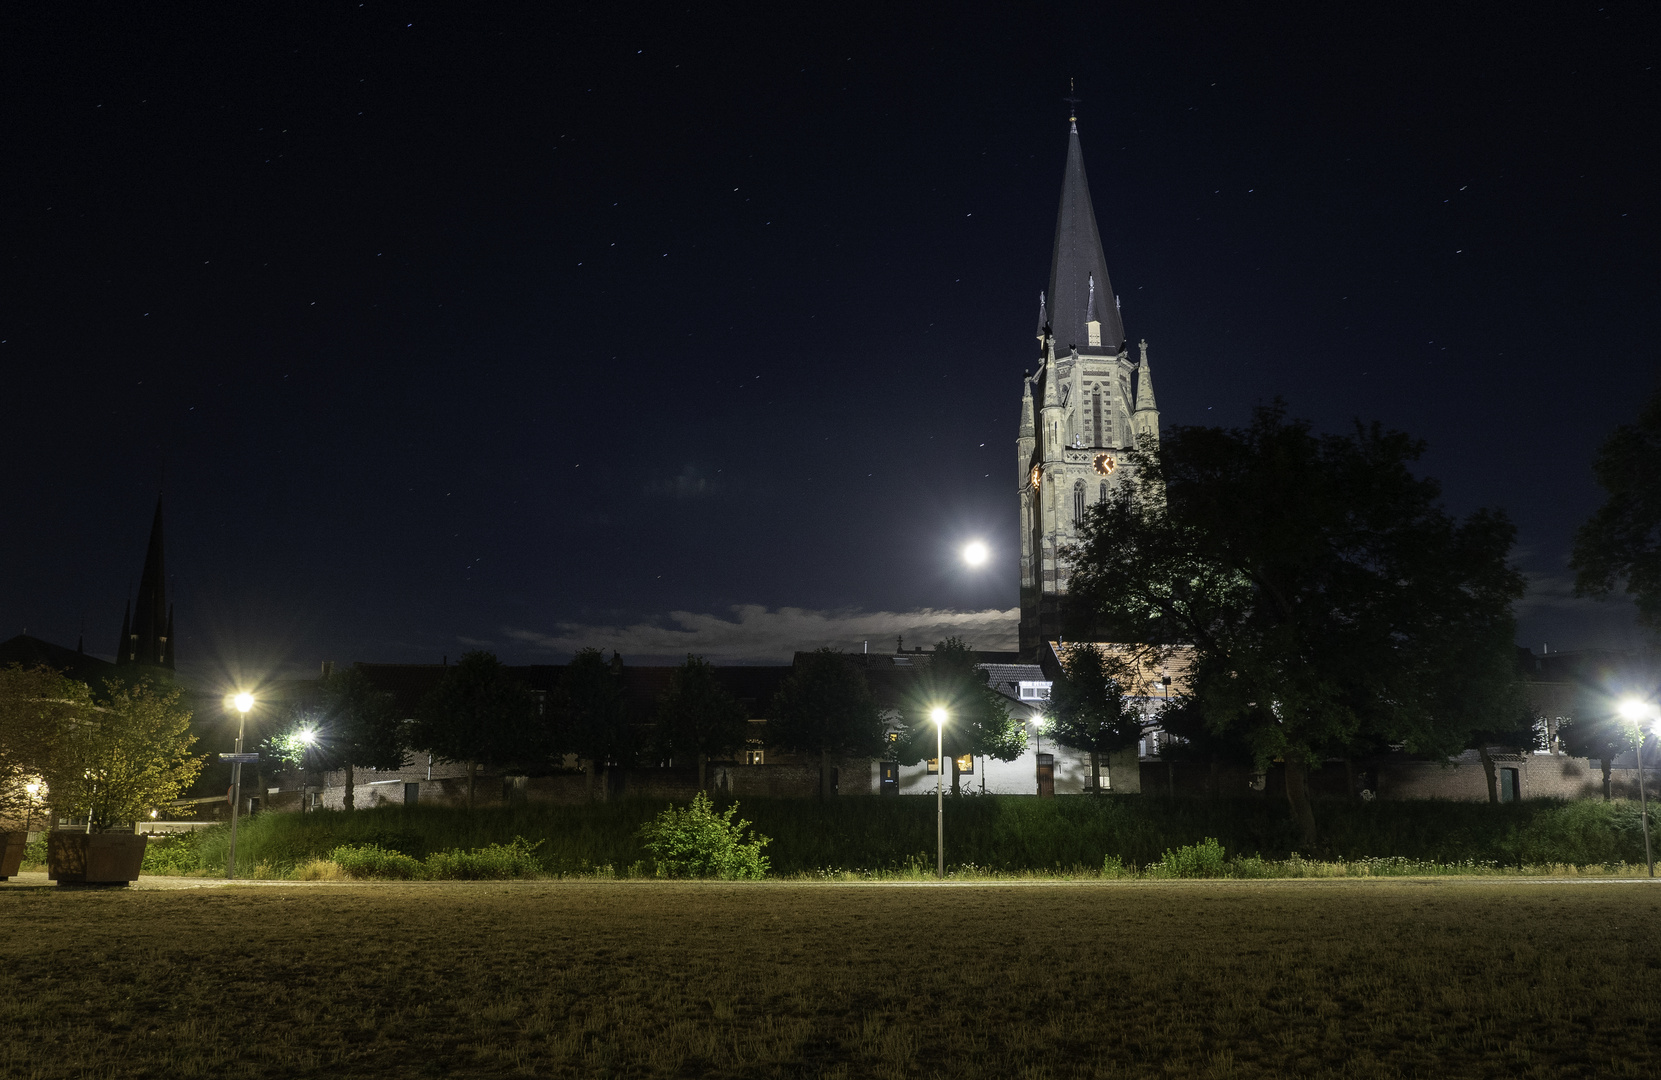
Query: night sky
x=700, y=329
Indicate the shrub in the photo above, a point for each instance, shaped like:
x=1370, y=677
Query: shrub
x=372, y=861
x=1202, y=860
x=493, y=861
x=177, y=855
x=1114, y=867
x=699, y=842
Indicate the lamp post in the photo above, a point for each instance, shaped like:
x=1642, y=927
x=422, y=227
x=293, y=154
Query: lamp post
x=243, y=702
x=939, y=718
x=29, y=817
x=1636, y=711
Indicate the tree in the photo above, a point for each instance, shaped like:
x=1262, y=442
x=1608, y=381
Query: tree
x=35, y=704
x=595, y=713
x=349, y=724
x=1621, y=541
x=1094, y=705
x=1602, y=737
x=698, y=718
x=481, y=715
x=121, y=754
x=977, y=719
x=1330, y=601
x=825, y=707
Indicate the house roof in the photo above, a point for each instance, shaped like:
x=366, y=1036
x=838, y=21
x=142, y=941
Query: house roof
x=32, y=652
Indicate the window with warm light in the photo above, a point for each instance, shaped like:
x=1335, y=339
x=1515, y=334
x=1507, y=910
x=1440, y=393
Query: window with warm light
x=755, y=757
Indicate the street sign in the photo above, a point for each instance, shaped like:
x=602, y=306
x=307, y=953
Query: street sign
x=245, y=759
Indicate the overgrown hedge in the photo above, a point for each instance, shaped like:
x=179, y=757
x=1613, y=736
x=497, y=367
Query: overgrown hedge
x=1010, y=834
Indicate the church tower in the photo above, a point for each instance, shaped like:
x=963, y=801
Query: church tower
x=147, y=626
x=1085, y=406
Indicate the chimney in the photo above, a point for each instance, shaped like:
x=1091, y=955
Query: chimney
x=328, y=668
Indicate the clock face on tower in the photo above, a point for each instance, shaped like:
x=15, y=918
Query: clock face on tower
x=1037, y=475
x=1105, y=463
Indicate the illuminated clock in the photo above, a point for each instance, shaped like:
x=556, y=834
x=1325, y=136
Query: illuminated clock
x=1037, y=475
x=1105, y=463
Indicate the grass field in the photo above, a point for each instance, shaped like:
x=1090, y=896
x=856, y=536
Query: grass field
x=1387, y=978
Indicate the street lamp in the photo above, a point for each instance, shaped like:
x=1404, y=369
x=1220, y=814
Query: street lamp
x=243, y=702
x=1635, y=712
x=29, y=817
x=308, y=739
x=938, y=715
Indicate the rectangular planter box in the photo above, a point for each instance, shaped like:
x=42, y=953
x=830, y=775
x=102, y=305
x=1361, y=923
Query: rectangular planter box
x=76, y=858
x=11, y=853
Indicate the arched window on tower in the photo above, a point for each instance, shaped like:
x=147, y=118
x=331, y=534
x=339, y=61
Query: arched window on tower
x=1103, y=499
x=1078, y=503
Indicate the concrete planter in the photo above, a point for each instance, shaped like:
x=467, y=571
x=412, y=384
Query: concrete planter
x=11, y=852
x=76, y=858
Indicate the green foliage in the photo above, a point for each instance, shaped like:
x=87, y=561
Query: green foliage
x=349, y=721
x=36, y=706
x=1328, y=599
x=1621, y=541
x=174, y=855
x=977, y=716
x=1092, y=704
x=372, y=861
x=516, y=859
x=701, y=842
x=825, y=707
x=117, y=759
x=35, y=853
x=480, y=714
x=697, y=717
x=594, y=711
x=1205, y=859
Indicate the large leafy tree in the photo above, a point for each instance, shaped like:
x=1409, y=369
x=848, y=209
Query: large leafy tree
x=596, y=724
x=698, y=718
x=1600, y=737
x=1329, y=599
x=480, y=715
x=120, y=755
x=977, y=717
x=1621, y=542
x=1097, y=705
x=348, y=724
x=825, y=708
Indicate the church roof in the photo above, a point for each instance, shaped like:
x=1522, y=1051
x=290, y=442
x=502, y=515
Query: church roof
x=32, y=652
x=1076, y=260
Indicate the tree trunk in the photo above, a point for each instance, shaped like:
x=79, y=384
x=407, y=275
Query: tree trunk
x=347, y=801
x=1095, y=772
x=954, y=775
x=1488, y=770
x=472, y=777
x=1297, y=793
x=1608, y=763
x=824, y=773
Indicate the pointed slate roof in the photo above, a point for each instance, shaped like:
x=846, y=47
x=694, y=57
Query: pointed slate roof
x=152, y=622
x=1078, y=257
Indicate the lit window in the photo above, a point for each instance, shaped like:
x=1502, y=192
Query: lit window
x=1035, y=691
x=754, y=757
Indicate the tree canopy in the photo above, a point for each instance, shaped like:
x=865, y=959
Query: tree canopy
x=1621, y=541
x=1329, y=599
x=119, y=756
x=825, y=707
x=698, y=718
x=349, y=723
x=1096, y=705
x=481, y=715
x=36, y=704
x=595, y=722
x=977, y=717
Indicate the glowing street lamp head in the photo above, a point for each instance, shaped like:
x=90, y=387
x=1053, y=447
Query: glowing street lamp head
x=243, y=702
x=308, y=736
x=1634, y=710
x=938, y=715
x=975, y=553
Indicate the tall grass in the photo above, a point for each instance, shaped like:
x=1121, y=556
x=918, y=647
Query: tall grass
x=987, y=832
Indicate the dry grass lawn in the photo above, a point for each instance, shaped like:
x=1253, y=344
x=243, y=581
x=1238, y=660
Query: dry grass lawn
x=1214, y=979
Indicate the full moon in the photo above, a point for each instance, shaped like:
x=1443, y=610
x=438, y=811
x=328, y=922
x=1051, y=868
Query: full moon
x=975, y=553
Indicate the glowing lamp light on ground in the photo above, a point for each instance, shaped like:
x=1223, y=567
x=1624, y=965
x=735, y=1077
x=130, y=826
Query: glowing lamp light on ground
x=975, y=553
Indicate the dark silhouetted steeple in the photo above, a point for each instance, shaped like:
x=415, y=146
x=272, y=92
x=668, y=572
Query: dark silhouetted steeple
x=1077, y=260
x=147, y=635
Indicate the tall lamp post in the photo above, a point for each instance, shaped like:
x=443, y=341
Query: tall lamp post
x=1636, y=712
x=243, y=702
x=939, y=718
x=29, y=818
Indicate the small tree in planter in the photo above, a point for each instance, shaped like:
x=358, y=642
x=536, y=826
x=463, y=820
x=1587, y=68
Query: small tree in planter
x=112, y=761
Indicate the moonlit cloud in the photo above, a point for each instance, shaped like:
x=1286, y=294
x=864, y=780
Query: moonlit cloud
x=754, y=634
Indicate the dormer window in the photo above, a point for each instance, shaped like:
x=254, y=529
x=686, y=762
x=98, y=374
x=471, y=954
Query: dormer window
x=1034, y=691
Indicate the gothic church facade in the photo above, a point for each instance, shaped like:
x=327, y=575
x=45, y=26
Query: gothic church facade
x=1087, y=404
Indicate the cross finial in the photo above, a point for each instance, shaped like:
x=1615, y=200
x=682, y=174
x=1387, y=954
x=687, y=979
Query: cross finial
x=1072, y=100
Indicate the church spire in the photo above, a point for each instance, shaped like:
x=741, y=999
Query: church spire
x=147, y=638
x=1078, y=261
x=1043, y=322
x=1146, y=417
x=1027, y=430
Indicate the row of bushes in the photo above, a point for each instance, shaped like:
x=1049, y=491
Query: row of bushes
x=1005, y=835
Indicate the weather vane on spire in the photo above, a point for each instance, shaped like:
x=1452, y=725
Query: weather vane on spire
x=1072, y=101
